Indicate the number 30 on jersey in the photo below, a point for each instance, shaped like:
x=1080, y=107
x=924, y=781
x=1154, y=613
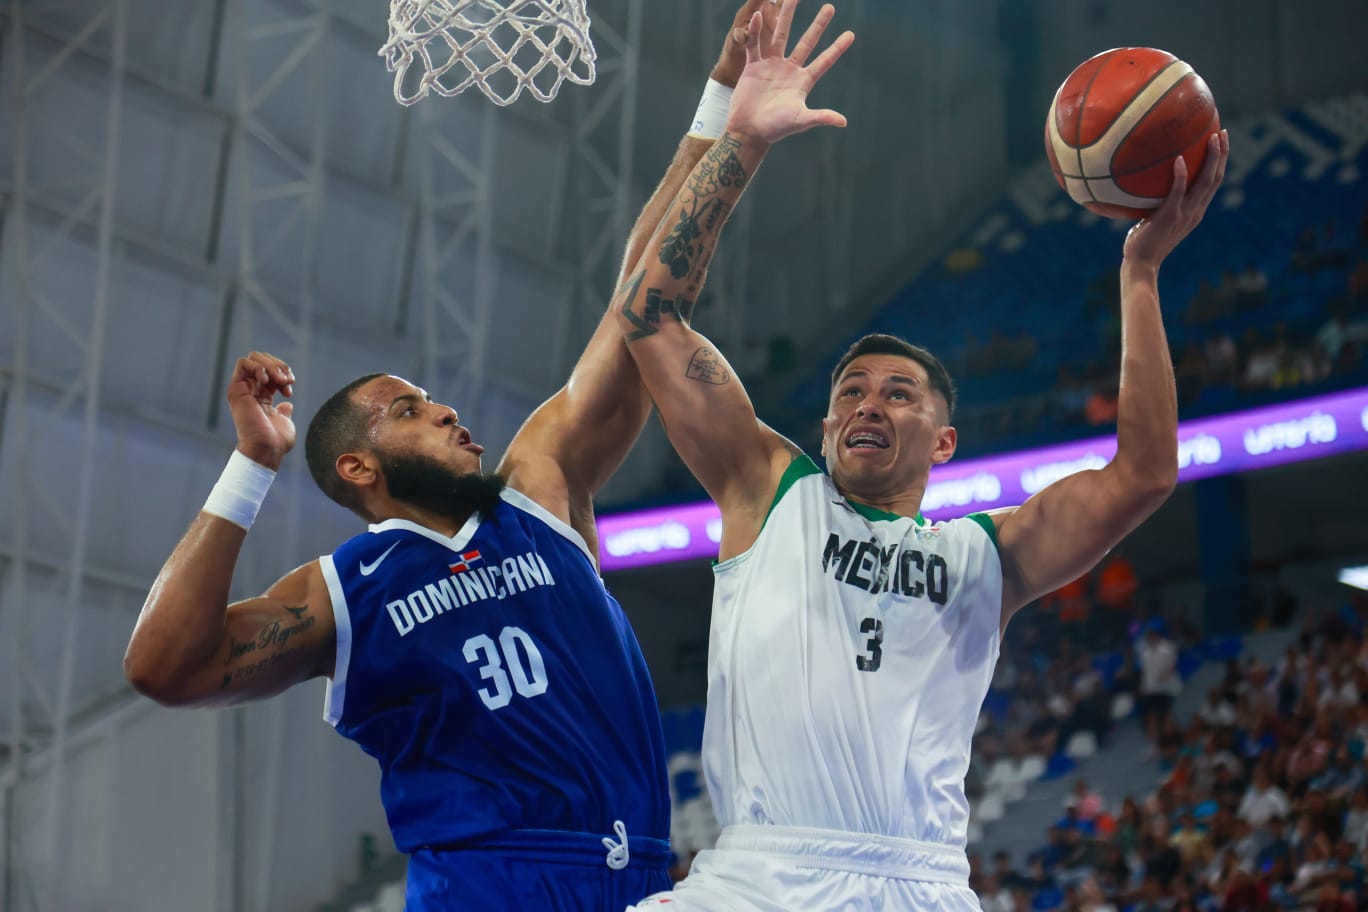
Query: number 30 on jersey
x=499, y=662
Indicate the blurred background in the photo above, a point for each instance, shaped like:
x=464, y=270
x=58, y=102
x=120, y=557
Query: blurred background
x=181, y=183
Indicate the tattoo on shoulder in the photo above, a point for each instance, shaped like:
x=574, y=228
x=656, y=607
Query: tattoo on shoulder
x=706, y=366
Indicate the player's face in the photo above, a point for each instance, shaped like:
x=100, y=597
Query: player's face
x=406, y=422
x=885, y=427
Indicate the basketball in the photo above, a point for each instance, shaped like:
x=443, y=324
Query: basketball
x=1118, y=122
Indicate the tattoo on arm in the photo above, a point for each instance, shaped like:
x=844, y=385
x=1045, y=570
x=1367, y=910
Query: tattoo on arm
x=720, y=167
x=655, y=308
x=268, y=648
x=707, y=367
x=688, y=246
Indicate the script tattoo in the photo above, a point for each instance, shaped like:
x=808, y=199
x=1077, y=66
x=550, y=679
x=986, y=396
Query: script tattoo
x=268, y=648
x=706, y=366
x=719, y=167
x=653, y=309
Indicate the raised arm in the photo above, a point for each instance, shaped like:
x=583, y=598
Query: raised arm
x=1064, y=530
x=190, y=647
x=705, y=409
x=552, y=459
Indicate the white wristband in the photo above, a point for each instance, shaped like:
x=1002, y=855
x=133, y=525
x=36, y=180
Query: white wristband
x=240, y=490
x=711, y=119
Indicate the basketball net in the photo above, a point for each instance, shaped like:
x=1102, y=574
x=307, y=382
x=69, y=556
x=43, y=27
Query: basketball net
x=527, y=44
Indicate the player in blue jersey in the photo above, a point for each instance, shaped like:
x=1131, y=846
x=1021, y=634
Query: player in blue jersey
x=470, y=645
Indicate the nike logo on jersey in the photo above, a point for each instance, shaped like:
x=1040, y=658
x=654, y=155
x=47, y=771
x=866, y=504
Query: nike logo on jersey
x=368, y=569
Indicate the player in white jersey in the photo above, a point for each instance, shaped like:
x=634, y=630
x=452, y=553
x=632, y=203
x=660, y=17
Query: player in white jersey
x=852, y=642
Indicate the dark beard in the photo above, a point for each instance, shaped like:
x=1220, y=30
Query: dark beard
x=426, y=483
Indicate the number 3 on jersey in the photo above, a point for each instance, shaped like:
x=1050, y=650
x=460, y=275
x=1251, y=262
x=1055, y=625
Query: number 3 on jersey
x=528, y=680
x=873, y=646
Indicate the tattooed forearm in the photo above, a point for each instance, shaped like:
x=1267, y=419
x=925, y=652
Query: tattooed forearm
x=690, y=235
x=719, y=168
x=678, y=251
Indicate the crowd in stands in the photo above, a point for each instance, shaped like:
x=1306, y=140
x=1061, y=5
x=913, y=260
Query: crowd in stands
x=1261, y=801
x=1238, y=335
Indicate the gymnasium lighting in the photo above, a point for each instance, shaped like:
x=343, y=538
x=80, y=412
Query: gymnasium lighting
x=1355, y=576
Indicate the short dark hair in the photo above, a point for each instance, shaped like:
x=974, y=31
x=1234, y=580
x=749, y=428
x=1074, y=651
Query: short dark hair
x=884, y=344
x=339, y=426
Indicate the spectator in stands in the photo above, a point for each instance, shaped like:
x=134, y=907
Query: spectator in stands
x=994, y=896
x=1222, y=360
x=1217, y=711
x=1086, y=803
x=1264, y=801
x=1251, y=288
x=1117, y=586
x=1356, y=819
x=1159, y=681
x=1311, y=756
x=1092, y=899
x=1228, y=786
x=1188, y=839
x=1101, y=407
x=1261, y=358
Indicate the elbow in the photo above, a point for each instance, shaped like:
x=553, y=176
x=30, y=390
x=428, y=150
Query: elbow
x=1152, y=483
x=152, y=681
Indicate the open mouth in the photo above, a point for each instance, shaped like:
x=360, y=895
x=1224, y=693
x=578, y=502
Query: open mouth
x=463, y=440
x=867, y=440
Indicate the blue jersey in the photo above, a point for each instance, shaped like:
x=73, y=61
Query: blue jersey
x=495, y=680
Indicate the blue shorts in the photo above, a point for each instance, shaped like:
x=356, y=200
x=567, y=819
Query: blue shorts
x=535, y=870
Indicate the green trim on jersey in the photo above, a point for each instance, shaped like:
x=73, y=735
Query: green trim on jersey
x=986, y=521
x=877, y=515
x=802, y=466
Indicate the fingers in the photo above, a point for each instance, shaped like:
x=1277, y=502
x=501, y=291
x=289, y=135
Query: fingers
x=818, y=68
x=264, y=375
x=808, y=43
x=1213, y=170
x=753, y=39
x=782, y=27
x=823, y=118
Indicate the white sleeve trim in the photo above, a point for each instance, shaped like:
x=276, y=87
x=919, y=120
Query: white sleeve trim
x=334, y=699
x=528, y=505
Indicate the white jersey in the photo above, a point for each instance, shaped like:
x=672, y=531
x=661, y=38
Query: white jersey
x=850, y=653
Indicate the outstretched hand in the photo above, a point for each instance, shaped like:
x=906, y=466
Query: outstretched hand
x=1154, y=238
x=265, y=431
x=770, y=101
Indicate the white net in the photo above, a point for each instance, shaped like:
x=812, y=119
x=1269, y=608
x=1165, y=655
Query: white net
x=502, y=46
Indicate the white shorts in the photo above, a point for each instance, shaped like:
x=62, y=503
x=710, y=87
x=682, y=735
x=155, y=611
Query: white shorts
x=781, y=869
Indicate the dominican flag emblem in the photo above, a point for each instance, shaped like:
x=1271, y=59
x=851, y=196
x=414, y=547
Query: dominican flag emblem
x=467, y=559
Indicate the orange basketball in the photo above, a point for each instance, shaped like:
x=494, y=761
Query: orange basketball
x=1118, y=122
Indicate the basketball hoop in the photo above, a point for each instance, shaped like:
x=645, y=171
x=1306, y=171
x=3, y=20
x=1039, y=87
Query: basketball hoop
x=503, y=46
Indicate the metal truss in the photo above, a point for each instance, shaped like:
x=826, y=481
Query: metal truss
x=39, y=702
x=600, y=185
